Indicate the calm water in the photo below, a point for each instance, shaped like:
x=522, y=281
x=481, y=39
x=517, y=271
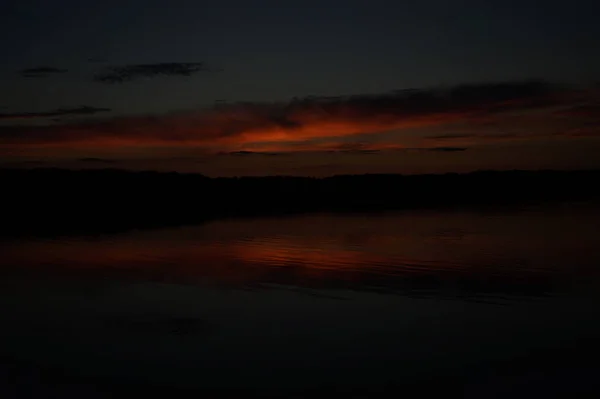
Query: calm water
x=494, y=300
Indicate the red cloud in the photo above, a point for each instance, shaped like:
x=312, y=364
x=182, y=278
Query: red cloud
x=236, y=126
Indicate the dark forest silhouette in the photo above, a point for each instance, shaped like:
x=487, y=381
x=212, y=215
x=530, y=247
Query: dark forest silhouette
x=60, y=201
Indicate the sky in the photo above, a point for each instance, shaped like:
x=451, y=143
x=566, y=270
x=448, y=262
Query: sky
x=304, y=88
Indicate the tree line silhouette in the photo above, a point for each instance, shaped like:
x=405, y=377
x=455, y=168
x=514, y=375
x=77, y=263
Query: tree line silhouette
x=53, y=201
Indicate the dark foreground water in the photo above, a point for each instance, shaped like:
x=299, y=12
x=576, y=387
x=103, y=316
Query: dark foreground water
x=497, y=303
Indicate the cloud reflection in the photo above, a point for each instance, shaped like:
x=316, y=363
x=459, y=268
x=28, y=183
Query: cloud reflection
x=475, y=258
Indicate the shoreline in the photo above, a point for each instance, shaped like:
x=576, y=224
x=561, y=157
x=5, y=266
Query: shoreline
x=51, y=202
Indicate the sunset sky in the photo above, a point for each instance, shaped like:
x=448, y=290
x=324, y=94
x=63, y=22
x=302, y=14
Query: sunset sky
x=237, y=87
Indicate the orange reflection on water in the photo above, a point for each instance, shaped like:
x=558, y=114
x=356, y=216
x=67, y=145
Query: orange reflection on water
x=279, y=252
x=528, y=252
x=237, y=261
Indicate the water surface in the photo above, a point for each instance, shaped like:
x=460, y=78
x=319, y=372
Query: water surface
x=484, y=301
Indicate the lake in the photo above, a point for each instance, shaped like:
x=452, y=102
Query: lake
x=487, y=303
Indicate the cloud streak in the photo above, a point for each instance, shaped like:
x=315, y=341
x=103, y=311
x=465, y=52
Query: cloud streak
x=126, y=73
x=83, y=110
x=40, y=71
x=318, y=123
x=342, y=150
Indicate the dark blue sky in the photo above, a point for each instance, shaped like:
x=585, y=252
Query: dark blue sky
x=274, y=50
x=135, y=80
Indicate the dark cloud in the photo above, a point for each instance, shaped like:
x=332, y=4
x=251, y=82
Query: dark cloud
x=451, y=136
x=427, y=149
x=277, y=127
x=379, y=151
x=479, y=136
x=96, y=160
x=486, y=98
x=241, y=153
x=120, y=74
x=359, y=148
x=361, y=151
x=248, y=153
x=446, y=149
x=347, y=149
x=496, y=136
x=83, y=110
x=40, y=71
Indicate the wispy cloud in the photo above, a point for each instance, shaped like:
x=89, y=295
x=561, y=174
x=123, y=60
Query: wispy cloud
x=40, y=71
x=125, y=73
x=83, y=110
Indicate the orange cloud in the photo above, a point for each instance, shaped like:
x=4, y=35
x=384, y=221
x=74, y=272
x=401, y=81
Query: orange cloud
x=297, y=125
